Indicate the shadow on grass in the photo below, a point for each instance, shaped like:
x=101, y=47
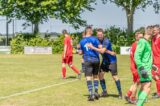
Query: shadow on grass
x=71, y=77
x=109, y=95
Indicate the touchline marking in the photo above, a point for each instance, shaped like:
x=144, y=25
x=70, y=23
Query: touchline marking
x=35, y=90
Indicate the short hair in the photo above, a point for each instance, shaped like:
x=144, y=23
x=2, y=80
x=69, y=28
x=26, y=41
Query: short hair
x=100, y=30
x=148, y=29
x=88, y=28
x=140, y=31
x=64, y=31
x=156, y=26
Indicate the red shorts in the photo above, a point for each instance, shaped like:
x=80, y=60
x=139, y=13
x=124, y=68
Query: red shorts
x=156, y=73
x=136, y=78
x=67, y=60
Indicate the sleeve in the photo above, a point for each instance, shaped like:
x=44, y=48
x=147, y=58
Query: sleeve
x=97, y=42
x=139, y=53
x=132, y=62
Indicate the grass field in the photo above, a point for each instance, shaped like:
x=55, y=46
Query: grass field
x=35, y=80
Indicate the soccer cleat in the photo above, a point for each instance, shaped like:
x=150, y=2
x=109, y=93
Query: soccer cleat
x=96, y=95
x=91, y=98
x=132, y=101
x=156, y=96
x=120, y=96
x=104, y=94
x=79, y=76
x=127, y=98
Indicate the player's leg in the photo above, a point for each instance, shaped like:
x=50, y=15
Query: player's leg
x=143, y=93
x=113, y=69
x=131, y=94
x=70, y=63
x=156, y=77
x=88, y=75
x=63, y=68
x=83, y=66
x=103, y=69
x=96, y=79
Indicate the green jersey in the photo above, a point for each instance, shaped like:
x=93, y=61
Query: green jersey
x=143, y=57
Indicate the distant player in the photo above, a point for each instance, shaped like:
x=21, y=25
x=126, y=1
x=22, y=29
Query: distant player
x=131, y=94
x=143, y=59
x=67, y=57
x=109, y=63
x=156, y=58
x=91, y=61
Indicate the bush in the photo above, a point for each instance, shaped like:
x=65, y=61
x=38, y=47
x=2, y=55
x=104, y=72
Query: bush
x=21, y=40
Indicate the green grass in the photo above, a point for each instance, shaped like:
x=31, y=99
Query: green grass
x=20, y=73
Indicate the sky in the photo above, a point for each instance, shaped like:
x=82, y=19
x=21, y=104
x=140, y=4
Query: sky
x=103, y=16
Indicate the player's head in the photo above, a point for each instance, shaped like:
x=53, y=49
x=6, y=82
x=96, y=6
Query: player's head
x=88, y=31
x=64, y=32
x=156, y=30
x=100, y=34
x=148, y=32
x=139, y=33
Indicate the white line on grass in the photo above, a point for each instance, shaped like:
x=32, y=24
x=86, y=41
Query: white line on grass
x=35, y=90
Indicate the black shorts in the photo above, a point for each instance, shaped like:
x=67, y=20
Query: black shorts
x=91, y=68
x=112, y=67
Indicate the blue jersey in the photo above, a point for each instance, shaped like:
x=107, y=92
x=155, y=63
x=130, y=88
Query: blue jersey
x=90, y=55
x=107, y=44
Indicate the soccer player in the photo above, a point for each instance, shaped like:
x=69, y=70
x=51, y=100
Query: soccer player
x=156, y=58
x=68, y=56
x=131, y=94
x=109, y=63
x=91, y=61
x=143, y=59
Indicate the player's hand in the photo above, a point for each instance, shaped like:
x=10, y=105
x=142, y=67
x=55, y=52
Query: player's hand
x=113, y=53
x=89, y=45
x=154, y=68
x=144, y=73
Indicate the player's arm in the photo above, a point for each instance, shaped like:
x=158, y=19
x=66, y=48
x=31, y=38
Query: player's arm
x=133, y=64
x=139, y=53
x=80, y=52
x=65, y=48
x=100, y=49
x=111, y=52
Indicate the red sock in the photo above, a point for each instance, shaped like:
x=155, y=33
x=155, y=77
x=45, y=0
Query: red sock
x=129, y=93
x=133, y=98
x=64, y=72
x=158, y=86
x=75, y=69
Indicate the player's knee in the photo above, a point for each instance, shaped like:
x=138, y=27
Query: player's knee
x=115, y=77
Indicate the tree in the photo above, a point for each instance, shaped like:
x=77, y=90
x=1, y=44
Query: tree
x=157, y=6
x=39, y=11
x=130, y=7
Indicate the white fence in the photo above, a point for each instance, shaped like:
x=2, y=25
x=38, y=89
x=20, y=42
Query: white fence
x=37, y=50
x=5, y=49
x=125, y=50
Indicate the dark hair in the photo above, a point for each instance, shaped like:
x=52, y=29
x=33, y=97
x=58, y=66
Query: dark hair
x=156, y=26
x=88, y=28
x=100, y=30
x=64, y=31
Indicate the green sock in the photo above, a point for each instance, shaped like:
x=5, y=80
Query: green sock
x=141, y=98
x=139, y=92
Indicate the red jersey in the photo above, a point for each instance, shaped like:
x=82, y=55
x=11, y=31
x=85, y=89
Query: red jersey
x=156, y=50
x=132, y=61
x=68, y=43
